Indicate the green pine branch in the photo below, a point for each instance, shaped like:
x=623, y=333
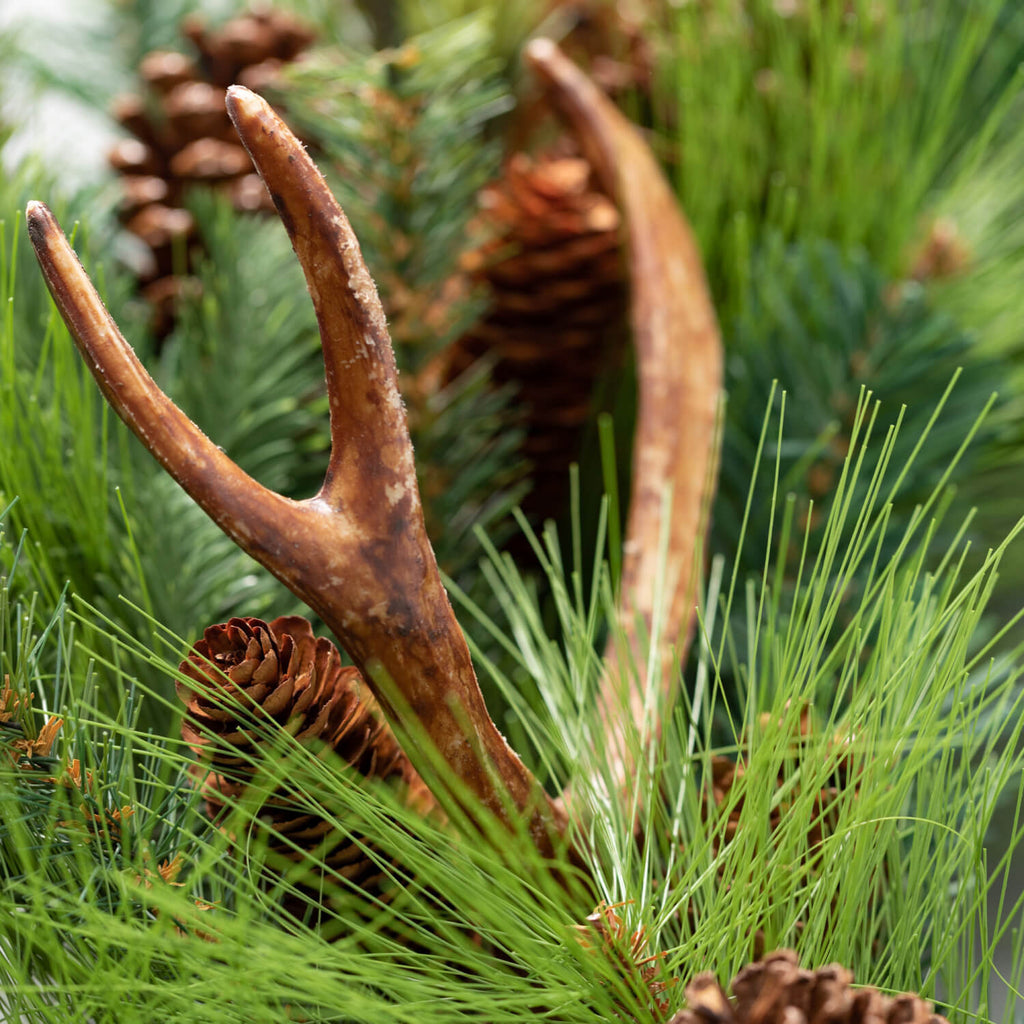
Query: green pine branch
x=825, y=327
x=408, y=140
x=917, y=760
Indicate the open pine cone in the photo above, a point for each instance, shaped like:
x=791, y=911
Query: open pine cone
x=776, y=990
x=725, y=772
x=248, y=671
x=182, y=137
x=553, y=269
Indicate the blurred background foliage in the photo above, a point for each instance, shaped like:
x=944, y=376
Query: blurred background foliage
x=849, y=169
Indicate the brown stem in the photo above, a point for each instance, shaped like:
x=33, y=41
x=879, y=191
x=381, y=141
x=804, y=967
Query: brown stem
x=679, y=368
x=357, y=552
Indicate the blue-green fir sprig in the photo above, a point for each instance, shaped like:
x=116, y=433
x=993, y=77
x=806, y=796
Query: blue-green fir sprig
x=826, y=326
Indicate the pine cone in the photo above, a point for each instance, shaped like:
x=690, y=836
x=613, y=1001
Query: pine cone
x=558, y=306
x=776, y=990
x=249, y=671
x=183, y=137
x=605, y=934
x=725, y=772
x=942, y=254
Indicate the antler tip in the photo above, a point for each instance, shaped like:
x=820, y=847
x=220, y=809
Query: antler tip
x=243, y=103
x=34, y=208
x=546, y=59
x=39, y=220
x=239, y=93
x=540, y=51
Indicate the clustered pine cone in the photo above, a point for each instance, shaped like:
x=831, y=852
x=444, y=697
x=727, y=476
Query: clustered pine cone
x=553, y=270
x=182, y=137
x=248, y=670
x=776, y=990
x=725, y=772
x=605, y=934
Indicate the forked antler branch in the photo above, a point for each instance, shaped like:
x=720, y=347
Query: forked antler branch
x=679, y=371
x=357, y=552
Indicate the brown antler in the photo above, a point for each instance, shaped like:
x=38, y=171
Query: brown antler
x=358, y=551
x=679, y=369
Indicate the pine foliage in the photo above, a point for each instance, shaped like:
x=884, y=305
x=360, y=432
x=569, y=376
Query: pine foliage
x=408, y=137
x=117, y=892
x=893, y=96
x=826, y=326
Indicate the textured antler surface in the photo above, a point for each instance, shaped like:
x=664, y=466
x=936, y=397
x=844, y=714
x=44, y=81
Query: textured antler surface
x=679, y=370
x=358, y=551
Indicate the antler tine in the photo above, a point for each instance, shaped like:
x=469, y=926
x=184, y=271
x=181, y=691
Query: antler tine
x=679, y=369
x=357, y=552
x=238, y=504
x=362, y=382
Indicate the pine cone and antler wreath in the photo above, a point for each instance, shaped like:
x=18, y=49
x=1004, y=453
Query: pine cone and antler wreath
x=358, y=553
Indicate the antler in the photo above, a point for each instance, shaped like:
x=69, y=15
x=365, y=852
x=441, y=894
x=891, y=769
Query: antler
x=358, y=551
x=679, y=369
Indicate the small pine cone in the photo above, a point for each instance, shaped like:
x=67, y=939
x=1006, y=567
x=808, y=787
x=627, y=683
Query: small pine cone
x=942, y=254
x=248, y=670
x=605, y=934
x=776, y=990
x=557, y=318
x=725, y=772
x=182, y=136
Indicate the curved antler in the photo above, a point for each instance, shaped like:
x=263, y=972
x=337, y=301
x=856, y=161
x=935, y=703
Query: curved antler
x=357, y=552
x=679, y=370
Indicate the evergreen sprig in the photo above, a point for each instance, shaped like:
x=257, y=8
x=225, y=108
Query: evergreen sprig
x=63, y=452
x=407, y=133
x=889, y=97
x=83, y=807
x=825, y=326
x=927, y=739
